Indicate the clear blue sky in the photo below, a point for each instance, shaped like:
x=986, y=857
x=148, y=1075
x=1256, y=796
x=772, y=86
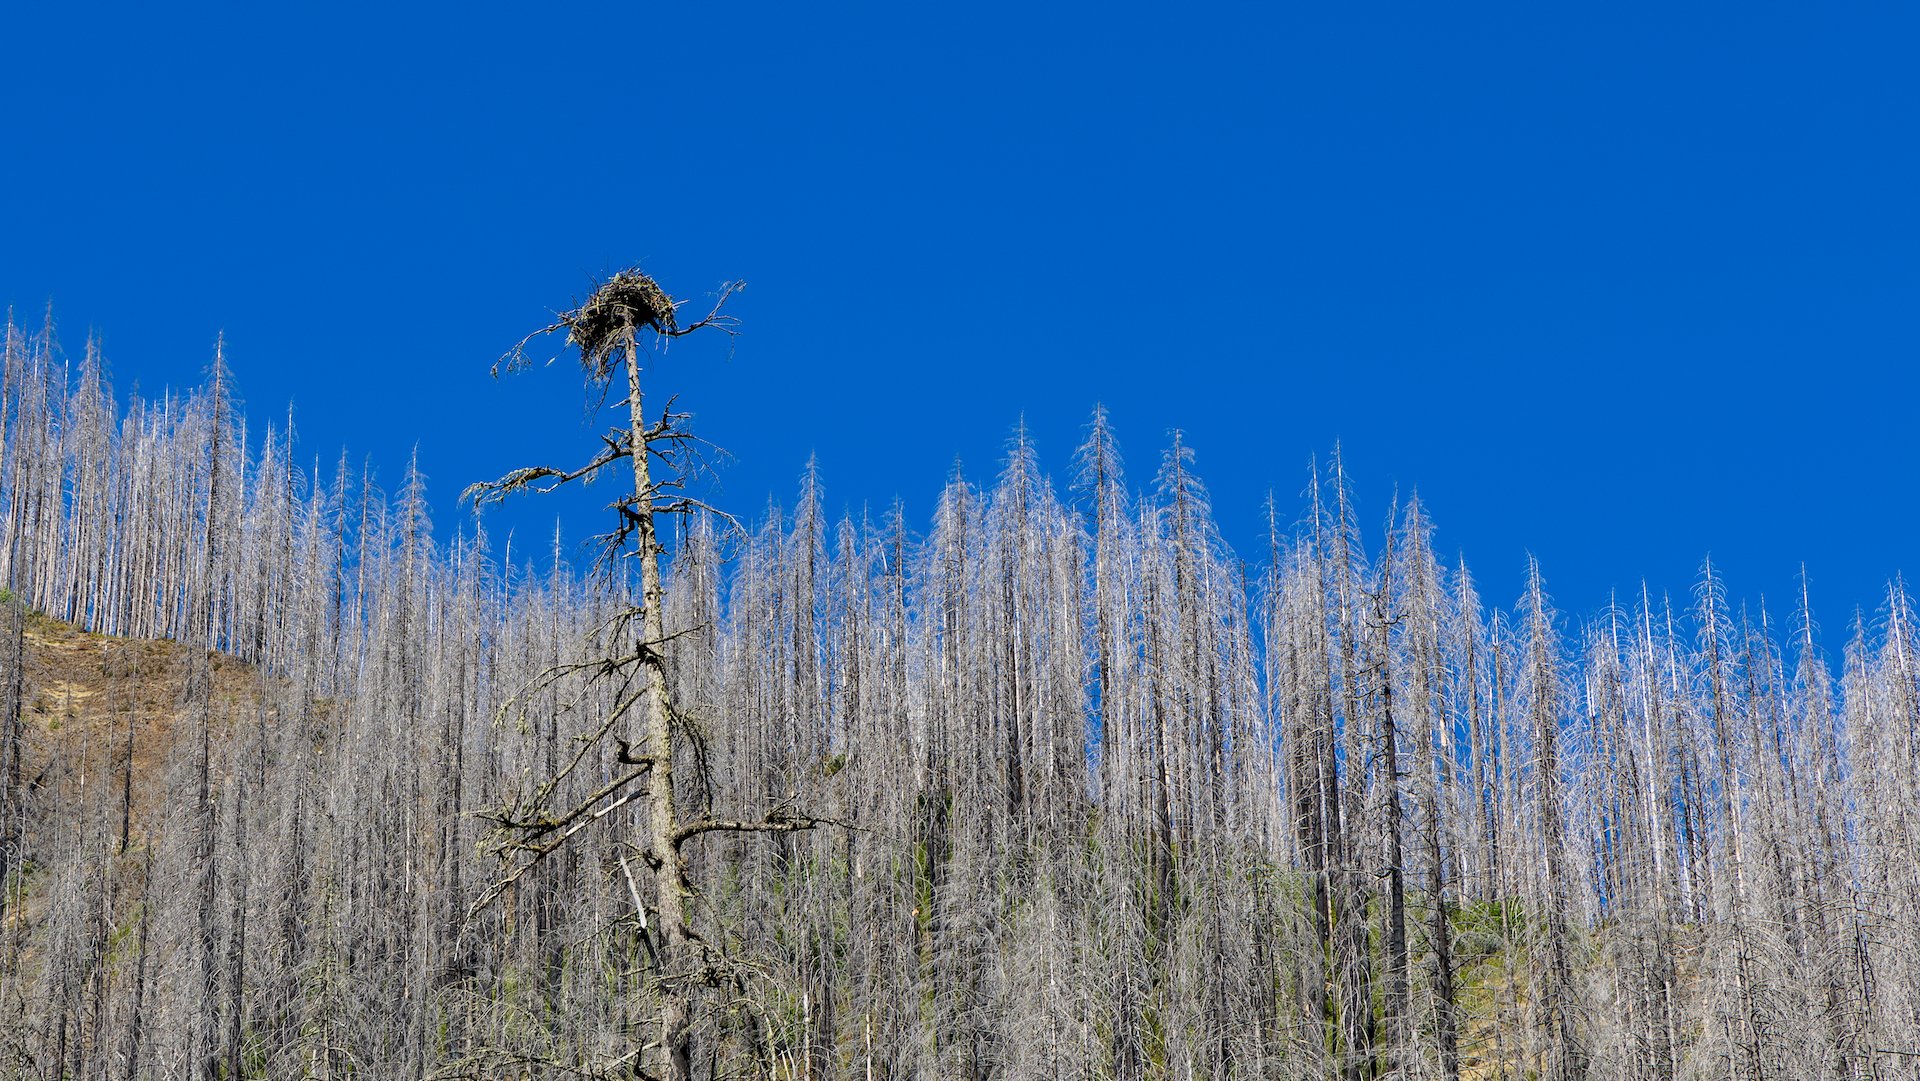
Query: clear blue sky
x=1621, y=285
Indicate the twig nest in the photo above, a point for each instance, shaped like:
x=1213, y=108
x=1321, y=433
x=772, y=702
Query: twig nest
x=628, y=303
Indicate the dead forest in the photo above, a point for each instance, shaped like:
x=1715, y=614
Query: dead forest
x=297, y=782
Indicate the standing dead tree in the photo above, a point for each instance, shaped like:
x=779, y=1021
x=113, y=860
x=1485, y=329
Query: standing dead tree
x=625, y=321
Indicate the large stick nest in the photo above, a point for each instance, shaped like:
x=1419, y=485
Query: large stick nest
x=619, y=311
x=627, y=304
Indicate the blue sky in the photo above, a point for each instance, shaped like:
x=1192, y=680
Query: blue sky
x=1619, y=285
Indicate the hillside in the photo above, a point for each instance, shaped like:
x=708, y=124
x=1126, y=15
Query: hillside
x=84, y=691
x=104, y=713
x=1054, y=783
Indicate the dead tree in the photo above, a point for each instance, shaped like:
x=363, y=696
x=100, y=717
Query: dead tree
x=625, y=321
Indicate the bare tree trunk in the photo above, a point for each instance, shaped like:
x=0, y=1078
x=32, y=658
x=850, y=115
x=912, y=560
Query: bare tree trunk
x=12, y=746
x=1395, y=1005
x=677, y=954
x=136, y=1017
x=1568, y=1061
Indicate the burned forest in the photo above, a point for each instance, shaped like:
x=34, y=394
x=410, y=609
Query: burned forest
x=298, y=782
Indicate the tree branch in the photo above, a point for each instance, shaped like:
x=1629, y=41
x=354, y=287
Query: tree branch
x=777, y=821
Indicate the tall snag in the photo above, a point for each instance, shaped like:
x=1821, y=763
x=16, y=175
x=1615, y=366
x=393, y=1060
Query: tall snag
x=608, y=331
